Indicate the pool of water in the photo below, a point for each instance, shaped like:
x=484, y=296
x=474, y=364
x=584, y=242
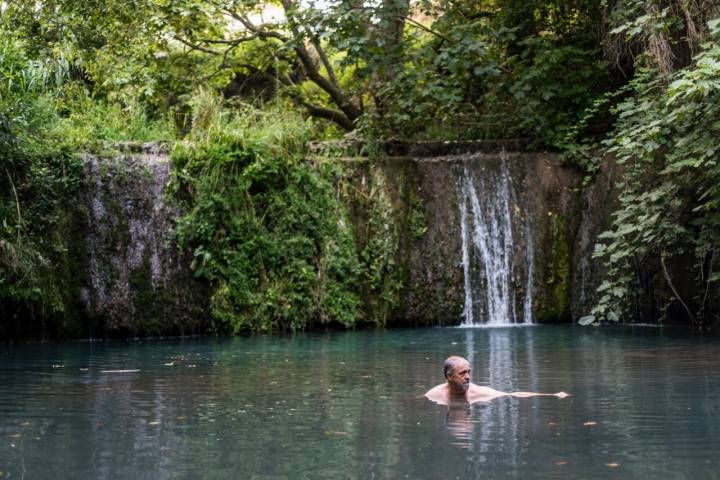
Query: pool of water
x=645, y=403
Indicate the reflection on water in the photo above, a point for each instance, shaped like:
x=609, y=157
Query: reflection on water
x=459, y=423
x=505, y=353
x=349, y=405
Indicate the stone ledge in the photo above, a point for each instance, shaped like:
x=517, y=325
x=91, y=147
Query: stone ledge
x=150, y=148
x=423, y=149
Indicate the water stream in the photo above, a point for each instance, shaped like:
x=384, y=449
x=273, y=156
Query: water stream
x=492, y=273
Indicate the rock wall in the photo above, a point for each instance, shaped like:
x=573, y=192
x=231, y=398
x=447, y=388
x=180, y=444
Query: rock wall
x=424, y=192
x=598, y=200
x=136, y=282
x=406, y=207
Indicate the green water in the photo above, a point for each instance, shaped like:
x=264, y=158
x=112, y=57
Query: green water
x=644, y=403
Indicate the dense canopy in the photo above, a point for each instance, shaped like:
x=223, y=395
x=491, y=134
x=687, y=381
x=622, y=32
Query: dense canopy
x=628, y=81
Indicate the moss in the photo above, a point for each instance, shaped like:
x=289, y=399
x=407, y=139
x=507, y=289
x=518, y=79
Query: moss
x=69, y=273
x=378, y=255
x=149, y=318
x=556, y=286
x=418, y=225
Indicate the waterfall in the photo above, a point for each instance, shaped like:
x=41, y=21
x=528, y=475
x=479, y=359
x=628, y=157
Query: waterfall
x=491, y=268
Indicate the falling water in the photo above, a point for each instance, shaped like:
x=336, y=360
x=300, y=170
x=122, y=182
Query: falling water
x=489, y=268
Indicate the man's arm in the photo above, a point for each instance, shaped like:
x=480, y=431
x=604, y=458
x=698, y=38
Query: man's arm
x=533, y=394
x=486, y=393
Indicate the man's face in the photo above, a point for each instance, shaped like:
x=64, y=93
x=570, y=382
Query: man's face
x=459, y=379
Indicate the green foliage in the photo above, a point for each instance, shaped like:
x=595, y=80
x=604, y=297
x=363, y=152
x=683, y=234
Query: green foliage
x=381, y=273
x=554, y=87
x=418, y=225
x=36, y=181
x=495, y=70
x=486, y=69
x=86, y=124
x=264, y=225
x=666, y=138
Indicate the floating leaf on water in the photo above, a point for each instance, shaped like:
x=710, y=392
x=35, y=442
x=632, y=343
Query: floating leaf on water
x=612, y=465
x=561, y=462
x=589, y=423
x=460, y=444
x=552, y=424
x=119, y=371
x=154, y=422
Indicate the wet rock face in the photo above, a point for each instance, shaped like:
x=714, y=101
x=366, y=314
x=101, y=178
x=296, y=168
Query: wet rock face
x=597, y=202
x=540, y=208
x=137, y=283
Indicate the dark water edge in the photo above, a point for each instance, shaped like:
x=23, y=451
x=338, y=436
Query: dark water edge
x=675, y=328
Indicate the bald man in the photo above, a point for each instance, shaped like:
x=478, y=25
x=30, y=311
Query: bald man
x=458, y=387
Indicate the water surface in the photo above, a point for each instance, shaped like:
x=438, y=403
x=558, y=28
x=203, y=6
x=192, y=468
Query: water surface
x=644, y=403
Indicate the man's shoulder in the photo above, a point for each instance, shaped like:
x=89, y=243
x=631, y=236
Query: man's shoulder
x=474, y=388
x=480, y=392
x=438, y=393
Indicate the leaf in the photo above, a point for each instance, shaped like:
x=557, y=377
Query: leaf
x=714, y=25
x=586, y=320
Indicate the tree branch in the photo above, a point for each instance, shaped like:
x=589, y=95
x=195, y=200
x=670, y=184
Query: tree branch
x=196, y=47
x=348, y=111
x=335, y=116
x=233, y=42
x=332, y=89
x=326, y=63
x=260, y=31
x=419, y=25
x=677, y=295
x=17, y=205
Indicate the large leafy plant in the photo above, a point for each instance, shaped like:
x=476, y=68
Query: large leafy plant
x=668, y=223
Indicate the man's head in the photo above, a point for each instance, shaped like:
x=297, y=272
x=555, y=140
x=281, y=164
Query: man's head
x=457, y=372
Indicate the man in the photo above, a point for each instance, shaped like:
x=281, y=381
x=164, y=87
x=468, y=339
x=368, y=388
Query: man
x=459, y=388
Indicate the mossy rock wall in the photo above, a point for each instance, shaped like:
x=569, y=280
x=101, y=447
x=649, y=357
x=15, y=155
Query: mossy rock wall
x=597, y=201
x=125, y=277
x=424, y=284
x=136, y=282
x=424, y=194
